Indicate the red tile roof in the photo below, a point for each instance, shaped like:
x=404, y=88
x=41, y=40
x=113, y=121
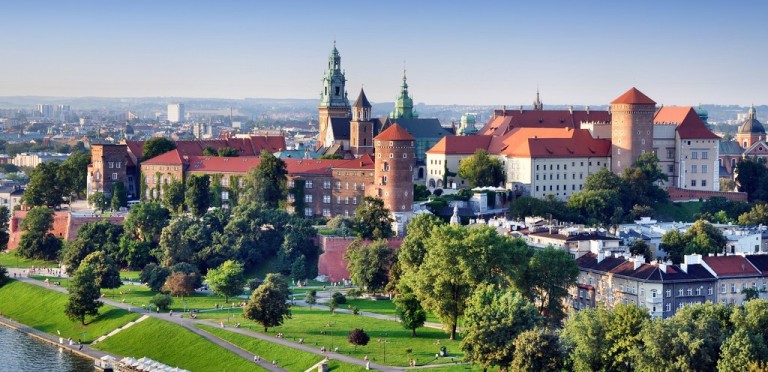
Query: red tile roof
x=510, y=119
x=460, y=145
x=251, y=146
x=242, y=164
x=394, y=133
x=689, y=124
x=170, y=157
x=634, y=96
x=731, y=265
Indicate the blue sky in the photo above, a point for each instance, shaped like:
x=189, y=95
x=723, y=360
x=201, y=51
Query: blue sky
x=463, y=52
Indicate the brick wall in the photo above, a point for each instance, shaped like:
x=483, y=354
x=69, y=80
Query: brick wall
x=331, y=262
x=65, y=226
x=678, y=194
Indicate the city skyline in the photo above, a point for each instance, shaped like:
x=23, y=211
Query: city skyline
x=487, y=53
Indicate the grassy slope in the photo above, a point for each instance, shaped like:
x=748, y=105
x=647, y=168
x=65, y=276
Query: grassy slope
x=173, y=345
x=290, y=359
x=9, y=259
x=308, y=323
x=44, y=310
x=678, y=211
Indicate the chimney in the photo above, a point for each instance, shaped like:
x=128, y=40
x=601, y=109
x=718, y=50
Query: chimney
x=663, y=267
x=587, y=109
x=600, y=256
x=637, y=263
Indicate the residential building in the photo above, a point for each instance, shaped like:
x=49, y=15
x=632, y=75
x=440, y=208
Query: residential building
x=176, y=112
x=734, y=273
x=108, y=166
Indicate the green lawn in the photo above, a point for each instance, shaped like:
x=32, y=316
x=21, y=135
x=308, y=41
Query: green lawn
x=309, y=323
x=338, y=366
x=677, y=211
x=298, y=361
x=9, y=259
x=384, y=307
x=175, y=346
x=44, y=310
x=139, y=296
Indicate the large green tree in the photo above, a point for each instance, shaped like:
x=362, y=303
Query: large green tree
x=36, y=241
x=269, y=304
x=99, y=236
x=549, y=275
x=119, y=196
x=752, y=178
x=537, y=350
x=411, y=253
x=373, y=220
x=198, y=194
x=226, y=280
x=493, y=320
x=45, y=187
x=368, y=264
x=266, y=183
x=758, y=215
x=481, y=170
x=173, y=196
x=106, y=272
x=156, y=146
x=146, y=221
x=154, y=276
x=5, y=217
x=83, y=295
x=74, y=172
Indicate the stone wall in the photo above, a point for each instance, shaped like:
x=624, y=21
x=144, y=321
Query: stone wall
x=331, y=262
x=678, y=194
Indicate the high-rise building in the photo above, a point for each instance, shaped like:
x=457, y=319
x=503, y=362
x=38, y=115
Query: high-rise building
x=175, y=112
x=44, y=110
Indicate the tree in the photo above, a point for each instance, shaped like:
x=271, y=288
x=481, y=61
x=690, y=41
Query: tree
x=758, y=215
x=98, y=201
x=739, y=350
x=198, y=194
x=157, y=146
x=551, y=272
x=162, y=301
x=75, y=172
x=584, y=335
x=420, y=192
x=640, y=248
x=409, y=311
x=493, y=320
x=481, y=170
x=641, y=181
x=266, y=183
x=357, y=337
x=105, y=271
x=154, y=276
x=751, y=177
x=227, y=152
x=3, y=275
x=83, y=295
x=210, y=151
x=226, y=280
x=372, y=220
x=146, y=221
x=100, y=236
x=5, y=217
x=674, y=244
x=173, y=196
x=703, y=238
x=596, y=206
x=411, y=253
x=180, y=284
x=119, y=196
x=176, y=244
x=45, y=186
x=537, y=350
x=269, y=302
x=311, y=298
x=368, y=264
x=36, y=241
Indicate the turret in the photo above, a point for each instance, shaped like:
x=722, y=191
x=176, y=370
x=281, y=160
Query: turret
x=393, y=175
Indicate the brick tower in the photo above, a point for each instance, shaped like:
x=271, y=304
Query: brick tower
x=393, y=175
x=361, y=127
x=333, y=98
x=632, y=128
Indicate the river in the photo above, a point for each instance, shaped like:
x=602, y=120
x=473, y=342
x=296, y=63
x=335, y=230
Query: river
x=21, y=352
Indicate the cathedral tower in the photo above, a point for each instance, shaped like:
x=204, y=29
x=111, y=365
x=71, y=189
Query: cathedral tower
x=333, y=98
x=750, y=131
x=404, y=104
x=632, y=128
x=393, y=174
x=361, y=127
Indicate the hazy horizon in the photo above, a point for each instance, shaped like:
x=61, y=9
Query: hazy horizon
x=486, y=53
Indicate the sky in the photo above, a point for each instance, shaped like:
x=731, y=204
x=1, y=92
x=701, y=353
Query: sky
x=455, y=52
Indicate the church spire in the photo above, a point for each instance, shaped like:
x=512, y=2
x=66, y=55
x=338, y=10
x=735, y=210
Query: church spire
x=537, y=105
x=334, y=91
x=404, y=103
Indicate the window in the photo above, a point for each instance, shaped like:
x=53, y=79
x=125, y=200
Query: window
x=704, y=155
x=114, y=176
x=669, y=293
x=680, y=292
x=693, y=168
x=671, y=168
x=326, y=199
x=722, y=288
x=668, y=307
x=384, y=180
x=733, y=288
x=308, y=212
x=326, y=185
x=670, y=153
x=710, y=290
x=111, y=165
x=690, y=291
x=704, y=168
x=308, y=184
x=703, y=183
x=338, y=185
x=117, y=164
x=405, y=155
x=698, y=291
x=653, y=293
x=326, y=212
x=354, y=200
x=346, y=200
x=346, y=186
x=391, y=155
x=693, y=183
x=225, y=195
x=694, y=155
x=225, y=181
x=308, y=198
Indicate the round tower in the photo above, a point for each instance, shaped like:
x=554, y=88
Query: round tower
x=632, y=128
x=750, y=131
x=393, y=174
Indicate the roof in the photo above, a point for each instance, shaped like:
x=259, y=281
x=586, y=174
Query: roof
x=422, y=127
x=574, y=238
x=759, y=261
x=394, y=133
x=751, y=125
x=730, y=148
x=340, y=128
x=250, y=146
x=622, y=266
x=730, y=266
x=506, y=120
x=454, y=145
x=362, y=100
x=634, y=96
x=242, y=164
x=170, y=157
x=689, y=124
x=550, y=143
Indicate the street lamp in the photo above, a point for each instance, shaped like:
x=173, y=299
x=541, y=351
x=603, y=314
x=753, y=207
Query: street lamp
x=385, y=347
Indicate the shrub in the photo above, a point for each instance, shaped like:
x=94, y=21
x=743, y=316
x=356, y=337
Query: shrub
x=357, y=337
x=339, y=297
x=161, y=300
x=3, y=276
x=355, y=292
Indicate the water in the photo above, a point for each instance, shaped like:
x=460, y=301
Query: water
x=22, y=353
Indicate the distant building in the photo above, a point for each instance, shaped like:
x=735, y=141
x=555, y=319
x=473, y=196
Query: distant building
x=34, y=159
x=750, y=142
x=10, y=195
x=175, y=112
x=109, y=164
x=44, y=110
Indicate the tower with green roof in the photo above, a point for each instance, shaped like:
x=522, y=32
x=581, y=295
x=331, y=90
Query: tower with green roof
x=404, y=104
x=333, y=98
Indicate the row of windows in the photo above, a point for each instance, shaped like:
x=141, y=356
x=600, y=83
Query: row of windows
x=556, y=176
x=703, y=183
x=436, y=162
x=114, y=164
x=695, y=155
x=326, y=212
x=694, y=168
x=565, y=166
x=161, y=168
x=557, y=188
x=392, y=155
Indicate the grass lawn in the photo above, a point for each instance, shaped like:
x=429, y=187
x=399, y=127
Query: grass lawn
x=384, y=307
x=9, y=259
x=309, y=323
x=44, y=310
x=64, y=281
x=139, y=296
x=338, y=366
x=678, y=211
x=175, y=346
x=289, y=358
x=130, y=275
